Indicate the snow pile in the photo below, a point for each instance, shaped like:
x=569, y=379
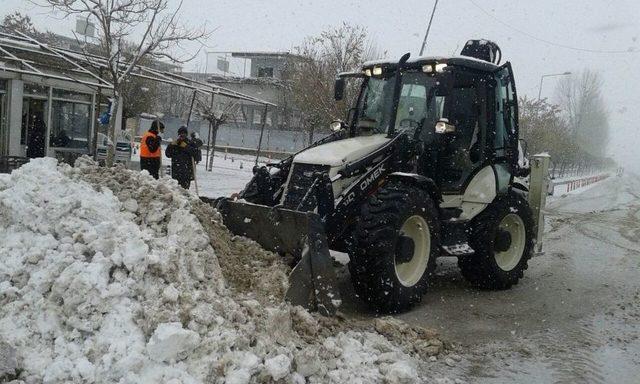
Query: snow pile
x=107, y=275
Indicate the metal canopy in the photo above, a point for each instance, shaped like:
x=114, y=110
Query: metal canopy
x=23, y=54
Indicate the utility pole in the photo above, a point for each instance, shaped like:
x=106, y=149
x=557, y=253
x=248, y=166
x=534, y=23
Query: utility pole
x=424, y=42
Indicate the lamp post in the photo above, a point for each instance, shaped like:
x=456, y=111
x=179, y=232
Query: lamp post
x=549, y=75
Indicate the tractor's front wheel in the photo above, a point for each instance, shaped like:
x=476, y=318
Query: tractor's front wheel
x=397, y=240
x=502, y=238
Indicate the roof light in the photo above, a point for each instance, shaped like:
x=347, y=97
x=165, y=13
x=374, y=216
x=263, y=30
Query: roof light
x=367, y=72
x=377, y=71
x=427, y=68
x=440, y=67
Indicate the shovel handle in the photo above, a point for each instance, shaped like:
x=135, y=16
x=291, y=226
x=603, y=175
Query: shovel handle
x=195, y=180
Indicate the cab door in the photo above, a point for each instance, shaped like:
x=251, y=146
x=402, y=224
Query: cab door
x=504, y=141
x=462, y=153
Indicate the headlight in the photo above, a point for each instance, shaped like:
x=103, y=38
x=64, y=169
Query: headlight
x=440, y=67
x=430, y=68
x=336, y=125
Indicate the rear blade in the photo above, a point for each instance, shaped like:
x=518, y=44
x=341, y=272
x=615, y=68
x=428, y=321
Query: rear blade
x=312, y=282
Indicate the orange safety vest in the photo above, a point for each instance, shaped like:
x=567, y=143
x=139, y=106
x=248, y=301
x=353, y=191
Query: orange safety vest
x=144, y=149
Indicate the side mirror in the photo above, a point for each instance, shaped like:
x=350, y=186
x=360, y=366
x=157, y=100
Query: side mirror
x=336, y=125
x=338, y=89
x=443, y=126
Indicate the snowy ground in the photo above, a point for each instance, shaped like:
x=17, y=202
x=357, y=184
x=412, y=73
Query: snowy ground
x=230, y=173
x=101, y=286
x=575, y=316
x=108, y=276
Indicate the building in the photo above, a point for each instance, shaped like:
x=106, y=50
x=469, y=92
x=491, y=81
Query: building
x=267, y=79
x=50, y=101
x=264, y=75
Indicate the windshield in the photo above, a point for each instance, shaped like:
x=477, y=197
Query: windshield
x=418, y=104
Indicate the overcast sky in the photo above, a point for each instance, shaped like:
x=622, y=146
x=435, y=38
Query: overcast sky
x=398, y=27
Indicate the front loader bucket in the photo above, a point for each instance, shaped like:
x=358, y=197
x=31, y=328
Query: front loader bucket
x=312, y=282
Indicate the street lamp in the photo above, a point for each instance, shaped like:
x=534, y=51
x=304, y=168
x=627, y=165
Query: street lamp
x=549, y=75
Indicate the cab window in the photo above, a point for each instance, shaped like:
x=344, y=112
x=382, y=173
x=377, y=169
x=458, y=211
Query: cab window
x=462, y=152
x=412, y=106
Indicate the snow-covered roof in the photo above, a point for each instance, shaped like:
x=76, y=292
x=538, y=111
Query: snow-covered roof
x=23, y=54
x=465, y=61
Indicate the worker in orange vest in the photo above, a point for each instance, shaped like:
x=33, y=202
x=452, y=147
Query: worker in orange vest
x=150, y=149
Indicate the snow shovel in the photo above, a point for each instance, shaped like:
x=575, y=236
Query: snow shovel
x=312, y=282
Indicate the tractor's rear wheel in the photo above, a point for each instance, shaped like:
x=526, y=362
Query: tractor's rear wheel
x=502, y=238
x=397, y=240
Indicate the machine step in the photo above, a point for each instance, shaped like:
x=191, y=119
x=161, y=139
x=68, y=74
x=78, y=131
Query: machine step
x=462, y=249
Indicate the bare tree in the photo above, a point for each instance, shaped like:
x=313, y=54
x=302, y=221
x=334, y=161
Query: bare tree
x=586, y=112
x=223, y=110
x=151, y=25
x=574, y=132
x=335, y=50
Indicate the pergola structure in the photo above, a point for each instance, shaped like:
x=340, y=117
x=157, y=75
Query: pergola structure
x=26, y=56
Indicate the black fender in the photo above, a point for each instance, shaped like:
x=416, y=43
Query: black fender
x=520, y=188
x=420, y=181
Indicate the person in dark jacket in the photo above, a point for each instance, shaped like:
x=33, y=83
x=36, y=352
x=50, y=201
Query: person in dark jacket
x=183, y=154
x=61, y=140
x=198, y=144
x=150, y=149
x=36, y=138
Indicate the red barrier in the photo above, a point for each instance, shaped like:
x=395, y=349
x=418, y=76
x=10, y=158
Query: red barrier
x=580, y=183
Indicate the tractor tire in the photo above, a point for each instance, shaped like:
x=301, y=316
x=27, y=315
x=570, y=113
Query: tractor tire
x=397, y=240
x=502, y=238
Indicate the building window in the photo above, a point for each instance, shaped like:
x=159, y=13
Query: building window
x=265, y=72
x=257, y=116
x=70, y=120
x=36, y=90
x=34, y=123
x=70, y=125
x=34, y=118
x=71, y=96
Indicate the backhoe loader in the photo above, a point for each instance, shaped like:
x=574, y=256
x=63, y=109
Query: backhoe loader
x=427, y=164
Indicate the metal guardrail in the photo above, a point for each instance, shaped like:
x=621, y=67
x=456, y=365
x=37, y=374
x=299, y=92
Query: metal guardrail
x=582, y=182
x=252, y=151
x=9, y=163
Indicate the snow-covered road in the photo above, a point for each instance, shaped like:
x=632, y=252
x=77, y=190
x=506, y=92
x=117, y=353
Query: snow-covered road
x=575, y=316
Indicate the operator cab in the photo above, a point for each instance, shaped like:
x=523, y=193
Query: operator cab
x=460, y=111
